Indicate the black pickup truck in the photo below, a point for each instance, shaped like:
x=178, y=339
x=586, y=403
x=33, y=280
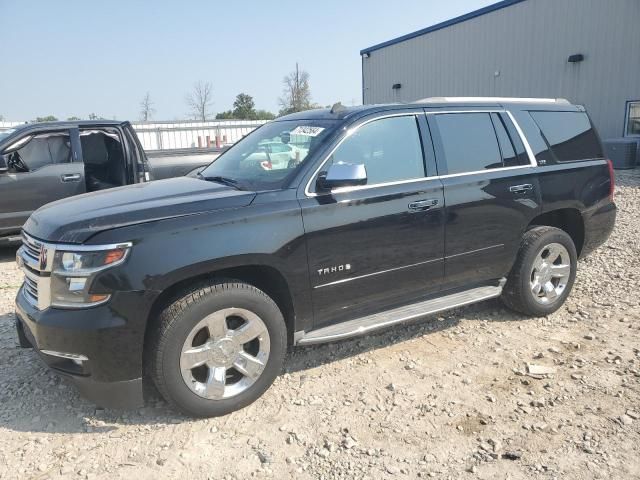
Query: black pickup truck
x=43, y=162
x=378, y=215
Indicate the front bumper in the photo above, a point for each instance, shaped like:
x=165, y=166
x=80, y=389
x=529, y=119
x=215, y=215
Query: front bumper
x=103, y=346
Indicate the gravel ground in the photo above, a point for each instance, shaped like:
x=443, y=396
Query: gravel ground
x=450, y=397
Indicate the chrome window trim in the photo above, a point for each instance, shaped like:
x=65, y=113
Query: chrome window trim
x=525, y=142
x=523, y=138
x=348, y=134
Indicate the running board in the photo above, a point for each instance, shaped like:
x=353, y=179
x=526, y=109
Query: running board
x=363, y=325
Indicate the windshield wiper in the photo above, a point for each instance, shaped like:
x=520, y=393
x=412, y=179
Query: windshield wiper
x=223, y=180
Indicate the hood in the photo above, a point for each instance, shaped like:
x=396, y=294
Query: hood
x=75, y=219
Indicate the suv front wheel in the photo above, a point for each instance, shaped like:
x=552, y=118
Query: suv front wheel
x=217, y=348
x=543, y=275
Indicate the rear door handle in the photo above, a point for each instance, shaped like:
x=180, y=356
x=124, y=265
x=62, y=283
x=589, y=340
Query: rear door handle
x=70, y=177
x=521, y=188
x=420, y=205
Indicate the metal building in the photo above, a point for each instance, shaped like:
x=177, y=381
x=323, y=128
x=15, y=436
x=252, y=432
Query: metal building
x=587, y=51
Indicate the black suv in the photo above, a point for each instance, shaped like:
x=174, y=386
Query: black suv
x=319, y=226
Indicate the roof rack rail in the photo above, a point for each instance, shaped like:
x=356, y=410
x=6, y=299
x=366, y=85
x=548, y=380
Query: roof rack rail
x=563, y=101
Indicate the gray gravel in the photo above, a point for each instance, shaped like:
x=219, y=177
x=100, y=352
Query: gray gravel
x=480, y=392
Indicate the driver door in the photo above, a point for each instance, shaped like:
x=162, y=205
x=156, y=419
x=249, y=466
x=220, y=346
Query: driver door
x=382, y=243
x=41, y=170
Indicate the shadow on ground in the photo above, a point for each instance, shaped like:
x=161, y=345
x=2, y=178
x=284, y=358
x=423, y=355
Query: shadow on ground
x=47, y=396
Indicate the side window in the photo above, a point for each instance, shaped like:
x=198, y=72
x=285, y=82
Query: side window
x=569, y=135
x=389, y=148
x=469, y=142
x=633, y=119
x=513, y=152
x=42, y=150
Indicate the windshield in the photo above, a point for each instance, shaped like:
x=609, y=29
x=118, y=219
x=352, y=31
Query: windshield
x=268, y=156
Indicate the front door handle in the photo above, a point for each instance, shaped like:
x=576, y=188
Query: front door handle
x=70, y=177
x=420, y=205
x=527, y=187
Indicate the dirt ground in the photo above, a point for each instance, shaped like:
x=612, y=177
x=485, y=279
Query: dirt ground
x=448, y=397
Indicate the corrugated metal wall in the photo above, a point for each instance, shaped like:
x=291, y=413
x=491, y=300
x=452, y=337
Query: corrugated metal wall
x=522, y=51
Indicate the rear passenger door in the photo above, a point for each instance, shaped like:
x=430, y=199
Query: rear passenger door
x=491, y=193
x=381, y=243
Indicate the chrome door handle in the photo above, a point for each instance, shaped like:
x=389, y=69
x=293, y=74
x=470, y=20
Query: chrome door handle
x=521, y=188
x=420, y=205
x=70, y=177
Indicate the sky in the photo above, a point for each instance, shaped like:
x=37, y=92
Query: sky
x=76, y=57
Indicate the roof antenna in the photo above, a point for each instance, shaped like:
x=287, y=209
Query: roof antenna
x=337, y=108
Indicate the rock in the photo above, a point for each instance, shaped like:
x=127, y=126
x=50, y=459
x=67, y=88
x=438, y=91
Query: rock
x=536, y=370
x=264, y=457
x=512, y=455
x=349, y=443
x=632, y=414
x=625, y=420
x=392, y=470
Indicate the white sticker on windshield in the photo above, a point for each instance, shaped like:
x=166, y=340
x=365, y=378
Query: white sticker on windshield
x=307, y=130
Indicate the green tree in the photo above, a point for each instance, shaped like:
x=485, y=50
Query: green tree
x=73, y=118
x=264, y=115
x=227, y=115
x=48, y=118
x=244, y=107
x=296, y=95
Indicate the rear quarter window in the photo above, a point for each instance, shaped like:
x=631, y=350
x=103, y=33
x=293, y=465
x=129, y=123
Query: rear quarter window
x=569, y=136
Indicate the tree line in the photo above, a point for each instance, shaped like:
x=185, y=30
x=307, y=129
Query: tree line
x=296, y=97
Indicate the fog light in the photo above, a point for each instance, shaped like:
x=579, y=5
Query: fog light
x=76, y=284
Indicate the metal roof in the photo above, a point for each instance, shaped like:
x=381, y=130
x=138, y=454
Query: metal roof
x=440, y=26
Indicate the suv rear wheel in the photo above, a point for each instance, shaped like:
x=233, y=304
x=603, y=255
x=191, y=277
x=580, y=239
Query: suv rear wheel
x=543, y=275
x=218, y=348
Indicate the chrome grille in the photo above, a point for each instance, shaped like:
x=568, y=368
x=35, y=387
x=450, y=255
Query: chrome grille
x=31, y=289
x=34, y=257
x=32, y=248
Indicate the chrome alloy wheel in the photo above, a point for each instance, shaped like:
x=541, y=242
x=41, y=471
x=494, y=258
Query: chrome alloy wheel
x=225, y=353
x=550, y=273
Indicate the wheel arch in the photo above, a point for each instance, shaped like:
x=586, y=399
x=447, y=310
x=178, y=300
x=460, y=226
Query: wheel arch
x=567, y=219
x=265, y=277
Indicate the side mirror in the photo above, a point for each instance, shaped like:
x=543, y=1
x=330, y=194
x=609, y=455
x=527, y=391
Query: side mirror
x=4, y=167
x=342, y=175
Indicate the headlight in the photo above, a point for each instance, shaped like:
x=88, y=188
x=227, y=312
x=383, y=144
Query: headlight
x=74, y=272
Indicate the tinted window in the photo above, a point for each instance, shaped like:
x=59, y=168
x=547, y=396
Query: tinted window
x=569, y=135
x=534, y=136
x=389, y=148
x=469, y=142
x=513, y=152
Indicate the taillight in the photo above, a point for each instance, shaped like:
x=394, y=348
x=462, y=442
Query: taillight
x=612, y=182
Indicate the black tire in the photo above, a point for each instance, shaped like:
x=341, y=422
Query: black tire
x=179, y=318
x=517, y=294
